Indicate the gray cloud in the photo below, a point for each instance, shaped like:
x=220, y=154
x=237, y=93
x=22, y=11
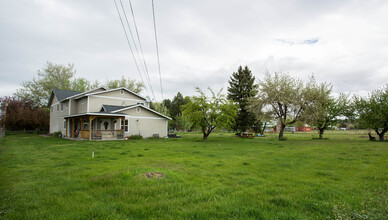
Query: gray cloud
x=201, y=42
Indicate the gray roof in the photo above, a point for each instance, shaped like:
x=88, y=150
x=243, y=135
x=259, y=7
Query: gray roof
x=111, y=108
x=63, y=94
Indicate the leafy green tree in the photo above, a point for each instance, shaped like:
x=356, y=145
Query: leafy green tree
x=57, y=76
x=262, y=117
x=81, y=84
x=372, y=111
x=210, y=112
x=53, y=76
x=167, y=104
x=241, y=88
x=176, y=105
x=182, y=122
x=159, y=107
x=174, y=108
x=130, y=84
x=285, y=96
x=324, y=110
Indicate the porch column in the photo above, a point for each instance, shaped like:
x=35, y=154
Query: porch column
x=123, y=127
x=72, y=128
x=91, y=118
x=90, y=128
x=67, y=121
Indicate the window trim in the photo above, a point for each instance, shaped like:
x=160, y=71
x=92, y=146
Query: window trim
x=125, y=125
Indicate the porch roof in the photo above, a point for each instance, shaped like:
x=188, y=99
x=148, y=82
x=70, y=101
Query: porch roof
x=96, y=114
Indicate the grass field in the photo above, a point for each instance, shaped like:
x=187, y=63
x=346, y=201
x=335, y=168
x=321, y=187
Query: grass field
x=344, y=177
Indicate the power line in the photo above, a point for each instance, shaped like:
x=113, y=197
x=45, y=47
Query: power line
x=137, y=51
x=157, y=48
x=138, y=38
x=130, y=47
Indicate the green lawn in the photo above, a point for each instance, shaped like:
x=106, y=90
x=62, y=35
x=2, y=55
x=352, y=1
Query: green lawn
x=225, y=177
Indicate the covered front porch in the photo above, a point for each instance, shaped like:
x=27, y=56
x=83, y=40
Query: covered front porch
x=95, y=126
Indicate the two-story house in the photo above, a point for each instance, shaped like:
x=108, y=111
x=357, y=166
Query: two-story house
x=102, y=114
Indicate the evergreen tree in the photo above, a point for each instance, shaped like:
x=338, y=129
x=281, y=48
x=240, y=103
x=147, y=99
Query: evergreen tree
x=241, y=88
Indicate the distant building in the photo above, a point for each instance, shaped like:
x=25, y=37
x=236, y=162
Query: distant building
x=303, y=129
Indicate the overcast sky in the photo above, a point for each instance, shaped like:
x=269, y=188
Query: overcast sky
x=201, y=42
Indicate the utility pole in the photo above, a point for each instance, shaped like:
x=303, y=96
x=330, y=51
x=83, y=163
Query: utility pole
x=5, y=111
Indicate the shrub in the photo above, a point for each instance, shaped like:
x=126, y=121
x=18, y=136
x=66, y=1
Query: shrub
x=57, y=134
x=136, y=137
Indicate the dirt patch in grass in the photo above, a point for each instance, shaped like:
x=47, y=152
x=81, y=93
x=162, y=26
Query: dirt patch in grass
x=154, y=175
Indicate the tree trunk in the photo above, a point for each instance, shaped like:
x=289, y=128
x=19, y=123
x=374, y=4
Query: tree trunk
x=205, y=136
x=371, y=138
x=262, y=130
x=381, y=135
x=282, y=126
x=321, y=130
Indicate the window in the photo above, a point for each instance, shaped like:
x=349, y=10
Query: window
x=82, y=101
x=67, y=105
x=61, y=107
x=57, y=107
x=126, y=125
x=122, y=92
x=138, y=109
x=140, y=103
x=64, y=124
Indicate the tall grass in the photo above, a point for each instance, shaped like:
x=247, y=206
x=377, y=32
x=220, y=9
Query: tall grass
x=224, y=177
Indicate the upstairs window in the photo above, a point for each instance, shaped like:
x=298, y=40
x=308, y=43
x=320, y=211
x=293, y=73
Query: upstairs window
x=138, y=109
x=82, y=101
x=57, y=107
x=67, y=105
x=122, y=92
x=61, y=107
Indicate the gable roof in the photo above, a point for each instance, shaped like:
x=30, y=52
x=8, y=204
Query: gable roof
x=111, y=90
x=83, y=93
x=142, y=106
x=61, y=94
x=111, y=108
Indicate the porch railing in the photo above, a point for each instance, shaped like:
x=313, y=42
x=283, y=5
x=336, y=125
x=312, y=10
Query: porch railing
x=107, y=134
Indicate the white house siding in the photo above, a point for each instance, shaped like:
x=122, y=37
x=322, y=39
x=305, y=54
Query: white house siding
x=73, y=105
x=146, y=123
x=117, y=94
x=96, y=102
x=56, y=117
x=81, y=108
x=148, y=127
